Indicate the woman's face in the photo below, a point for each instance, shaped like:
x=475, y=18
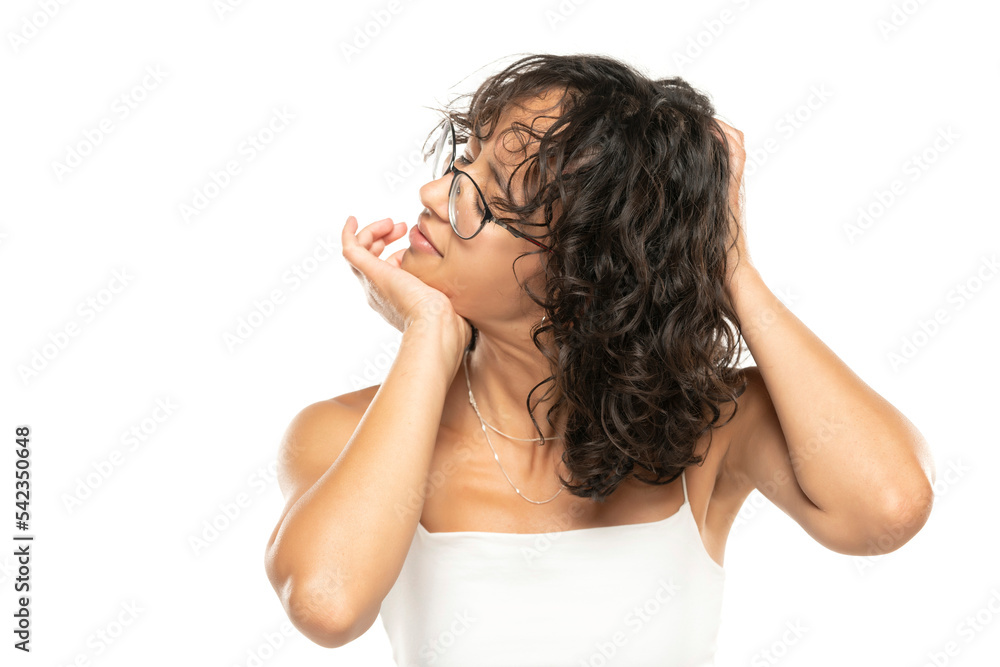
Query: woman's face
x=478, y=274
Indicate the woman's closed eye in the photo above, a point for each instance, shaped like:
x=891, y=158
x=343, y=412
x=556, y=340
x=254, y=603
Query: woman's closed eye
x=465, y=162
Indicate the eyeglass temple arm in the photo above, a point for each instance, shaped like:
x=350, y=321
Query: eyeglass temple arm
x=528, y=238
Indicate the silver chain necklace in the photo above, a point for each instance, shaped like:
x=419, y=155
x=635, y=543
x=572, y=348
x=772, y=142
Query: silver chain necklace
x=472, y=401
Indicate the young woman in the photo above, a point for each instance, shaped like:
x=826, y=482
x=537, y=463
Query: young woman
x=580, y=256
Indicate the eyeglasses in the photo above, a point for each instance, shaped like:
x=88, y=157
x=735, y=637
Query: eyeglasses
x=467, y=208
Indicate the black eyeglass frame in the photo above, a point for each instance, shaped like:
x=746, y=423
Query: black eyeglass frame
x=487, y=214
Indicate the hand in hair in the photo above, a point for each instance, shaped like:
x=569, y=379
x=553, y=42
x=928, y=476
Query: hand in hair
x=738, y=257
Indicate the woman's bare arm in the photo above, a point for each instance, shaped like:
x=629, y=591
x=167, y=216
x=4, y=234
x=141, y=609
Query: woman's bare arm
x=344, y=534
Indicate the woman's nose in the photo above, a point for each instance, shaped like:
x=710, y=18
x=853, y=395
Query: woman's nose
x=434, y=196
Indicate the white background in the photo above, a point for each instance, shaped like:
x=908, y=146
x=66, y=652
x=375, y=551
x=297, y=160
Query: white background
x=356, y=122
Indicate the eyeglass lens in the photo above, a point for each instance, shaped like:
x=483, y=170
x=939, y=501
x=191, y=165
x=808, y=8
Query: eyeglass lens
x=464, y=203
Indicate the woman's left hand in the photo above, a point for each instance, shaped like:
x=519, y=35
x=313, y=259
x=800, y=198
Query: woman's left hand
x=738, y=257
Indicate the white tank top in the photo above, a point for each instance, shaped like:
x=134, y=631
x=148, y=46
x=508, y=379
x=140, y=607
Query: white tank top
x=636, y=594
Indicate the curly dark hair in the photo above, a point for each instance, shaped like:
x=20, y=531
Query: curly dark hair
x=634, y=196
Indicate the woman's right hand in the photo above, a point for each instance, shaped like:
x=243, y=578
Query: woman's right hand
x=397, y=295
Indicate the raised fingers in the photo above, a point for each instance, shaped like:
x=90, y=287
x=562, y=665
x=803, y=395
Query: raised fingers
x=368, y=244
x=379, y=244
x=370, y=233
x=354, y=250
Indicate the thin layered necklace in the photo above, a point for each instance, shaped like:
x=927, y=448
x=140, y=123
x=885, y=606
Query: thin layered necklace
x=472, y=401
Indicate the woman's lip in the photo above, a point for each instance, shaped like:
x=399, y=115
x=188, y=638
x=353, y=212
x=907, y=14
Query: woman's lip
x=427, y=237
x=420, y=241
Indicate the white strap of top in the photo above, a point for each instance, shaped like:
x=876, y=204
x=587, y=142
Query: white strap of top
x=684, y=485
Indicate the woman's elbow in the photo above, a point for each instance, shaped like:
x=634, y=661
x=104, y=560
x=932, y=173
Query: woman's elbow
x=330, y=626
x=314, y=609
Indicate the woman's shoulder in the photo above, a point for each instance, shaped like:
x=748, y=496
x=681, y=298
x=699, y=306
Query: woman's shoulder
x=316, y=437
x=333, y=417
x=359, y=399
x=336, y=411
